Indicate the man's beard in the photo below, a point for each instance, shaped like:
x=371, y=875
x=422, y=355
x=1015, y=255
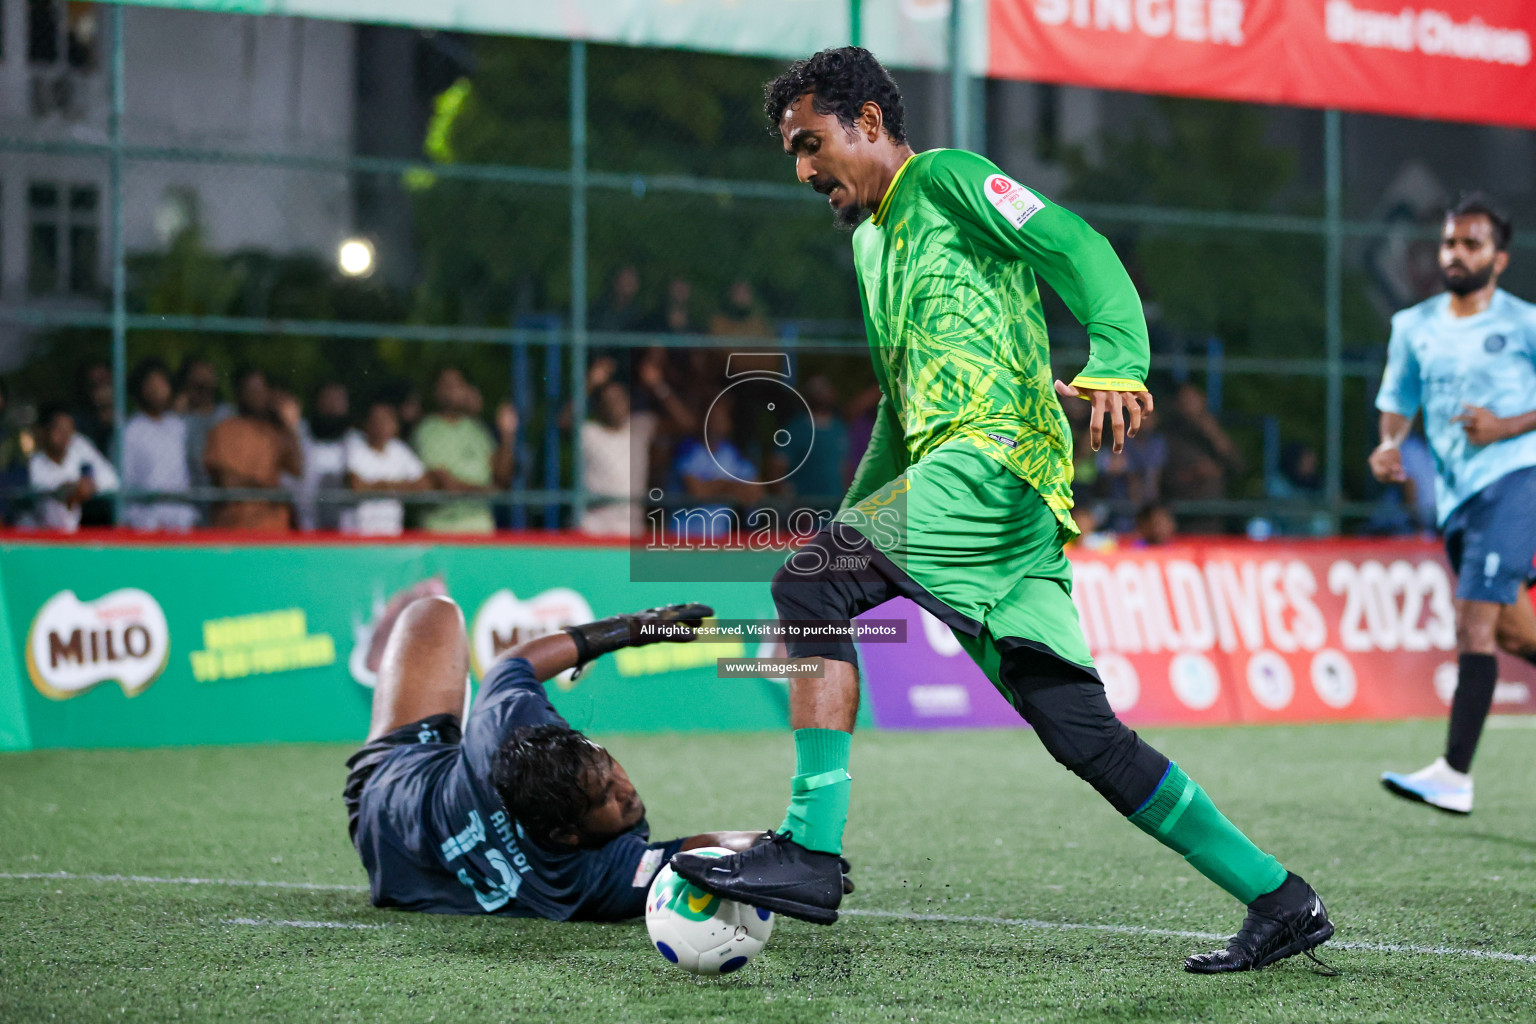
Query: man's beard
x=846, y=218
x=1468, y=281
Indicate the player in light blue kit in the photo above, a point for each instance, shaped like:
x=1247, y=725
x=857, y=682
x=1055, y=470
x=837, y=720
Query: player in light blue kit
x=1467, y=359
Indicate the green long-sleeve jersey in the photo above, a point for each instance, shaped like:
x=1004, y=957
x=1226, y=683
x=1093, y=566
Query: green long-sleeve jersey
x=946, y=271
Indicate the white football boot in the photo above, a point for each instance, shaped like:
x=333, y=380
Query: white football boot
x=1439, y=785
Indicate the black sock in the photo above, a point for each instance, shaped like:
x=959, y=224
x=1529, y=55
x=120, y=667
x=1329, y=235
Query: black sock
x=1283, y=897
x=1529, y=654
x=1476, y=676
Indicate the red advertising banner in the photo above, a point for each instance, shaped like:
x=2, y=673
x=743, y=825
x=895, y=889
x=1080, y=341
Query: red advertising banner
x=1459, y=60
x=1225, y=632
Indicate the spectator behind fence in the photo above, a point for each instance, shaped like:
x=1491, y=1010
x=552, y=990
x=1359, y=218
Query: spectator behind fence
x=154, y=453
x=811, y=462
x=253, y=449
x=93, y=404
x=13, y=455
x=740, y=316
x=615, y=456
x=676, y=314
x=197, y=400
x=377, y=460
x=619, y=310
x=1200, y=456
x=1132, y=478
x=712, y=475
x=1155, y=525
x=67, y=471
x=463, y=454
x=325, y=458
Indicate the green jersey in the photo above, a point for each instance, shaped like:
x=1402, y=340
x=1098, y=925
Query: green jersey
x=947, y=271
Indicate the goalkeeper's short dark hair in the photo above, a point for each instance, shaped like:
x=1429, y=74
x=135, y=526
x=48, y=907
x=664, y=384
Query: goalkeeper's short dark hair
x=544, y=774
x=841, y=81
x=1477, y=204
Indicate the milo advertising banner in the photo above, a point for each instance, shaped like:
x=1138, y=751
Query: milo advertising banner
x=146, y=644
x=152, y=644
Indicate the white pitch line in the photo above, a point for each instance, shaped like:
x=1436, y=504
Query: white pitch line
x=263, y=922
x=151, y=880
x=894, y=915
x=1131, y=929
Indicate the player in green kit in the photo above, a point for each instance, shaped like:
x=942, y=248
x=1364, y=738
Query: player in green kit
x=962, y=500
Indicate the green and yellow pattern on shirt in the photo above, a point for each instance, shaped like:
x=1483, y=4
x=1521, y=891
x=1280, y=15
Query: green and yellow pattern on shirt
x=946, y=273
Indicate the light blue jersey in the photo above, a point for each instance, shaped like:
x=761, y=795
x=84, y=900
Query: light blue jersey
x=1442, y=363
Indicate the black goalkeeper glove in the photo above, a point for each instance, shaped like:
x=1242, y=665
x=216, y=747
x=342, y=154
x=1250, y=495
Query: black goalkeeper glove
x=674, y=623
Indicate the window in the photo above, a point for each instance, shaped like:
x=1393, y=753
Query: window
x=62, y=33
x=63, y=238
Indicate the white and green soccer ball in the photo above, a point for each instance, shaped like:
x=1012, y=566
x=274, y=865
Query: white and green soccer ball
x=699, y=932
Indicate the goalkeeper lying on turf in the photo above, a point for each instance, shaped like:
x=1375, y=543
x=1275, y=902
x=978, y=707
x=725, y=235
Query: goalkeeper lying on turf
x=511, y=811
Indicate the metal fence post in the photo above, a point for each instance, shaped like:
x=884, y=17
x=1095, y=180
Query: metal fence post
x=119, y=262
x=578, y=274
x=959, y=79
x=1333, y=185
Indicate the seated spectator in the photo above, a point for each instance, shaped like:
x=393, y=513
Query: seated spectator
x=1091, y=519
x=197, y=400
x=253, y=449
x=619, y=310
x=1155, y=526
x=93, y=404
x=14, y=448
x=1132, y=478
x=811, y=463
x=325, y=458
x=1200, y=456
x=377, y=460
x=615, y=455
x=1300, y=475
x=464, y=456
x=676, y=315
x=741, y=317
x=67, y=471
x=713, y=477
x=859, y=413
x=154, y=453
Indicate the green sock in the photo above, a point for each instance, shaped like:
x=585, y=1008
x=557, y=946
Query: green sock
x=818, y=806
x=1181, y=817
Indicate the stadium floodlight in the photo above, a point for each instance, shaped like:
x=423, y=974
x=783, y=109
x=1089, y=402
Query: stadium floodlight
x=355, y=257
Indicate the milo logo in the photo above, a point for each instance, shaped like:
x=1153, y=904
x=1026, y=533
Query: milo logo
x=74, y=645
x=505, y=620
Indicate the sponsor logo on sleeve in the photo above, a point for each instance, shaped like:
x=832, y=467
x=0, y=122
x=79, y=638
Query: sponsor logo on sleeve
x=1012, y=200
x=74, y=645
x=650, y=863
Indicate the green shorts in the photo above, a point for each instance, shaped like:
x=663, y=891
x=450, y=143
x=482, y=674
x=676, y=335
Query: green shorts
x=982, y=542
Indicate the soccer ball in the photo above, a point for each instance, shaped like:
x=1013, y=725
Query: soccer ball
x=701, y=933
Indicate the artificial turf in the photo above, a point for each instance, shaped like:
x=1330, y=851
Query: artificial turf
x=944, y=825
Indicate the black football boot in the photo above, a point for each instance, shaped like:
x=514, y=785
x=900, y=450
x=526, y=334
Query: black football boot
x=777, y=874
x=1290, y=920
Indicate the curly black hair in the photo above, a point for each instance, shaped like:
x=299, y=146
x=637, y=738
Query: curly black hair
x=841, y=81
x=1475, y=204
x=543, y=774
